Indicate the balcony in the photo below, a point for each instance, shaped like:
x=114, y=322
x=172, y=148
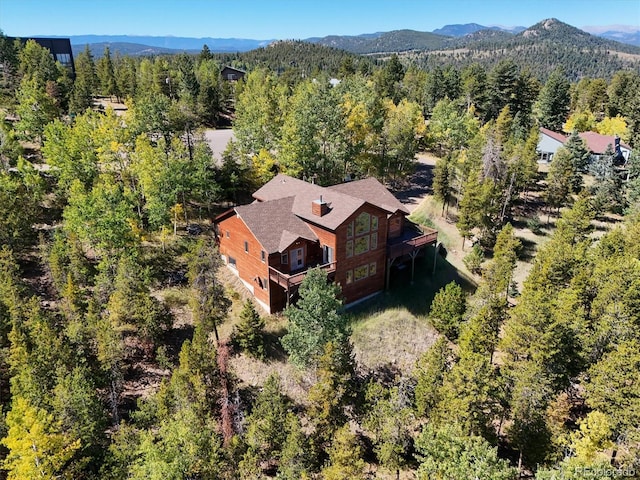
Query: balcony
x=410, y=241
x=287, y=281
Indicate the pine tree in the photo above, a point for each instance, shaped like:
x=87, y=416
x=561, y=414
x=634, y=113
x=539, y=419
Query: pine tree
x=314, y=320
x=447, y=310
x=37, y=446
x=249, y=332
x=430, y=371
x=333, y=390
x=552, y=107
x=389, y=418
x=345, y=457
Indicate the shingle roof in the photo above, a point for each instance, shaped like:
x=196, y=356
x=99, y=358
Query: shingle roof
x=284, y=207
x=273, y=224
x=597, y=143
x=555, y=135
x=372, y=191
x=341, y=206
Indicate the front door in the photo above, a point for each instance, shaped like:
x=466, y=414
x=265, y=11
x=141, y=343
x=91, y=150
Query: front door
x=297, y=259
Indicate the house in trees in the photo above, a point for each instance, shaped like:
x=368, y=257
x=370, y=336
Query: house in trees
x=548, y=144
x=597, y=145
x=60, y=49
x=232, y=74
x=354, y=231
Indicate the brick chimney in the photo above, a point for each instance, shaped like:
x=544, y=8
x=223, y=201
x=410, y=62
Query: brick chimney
x=319, y=207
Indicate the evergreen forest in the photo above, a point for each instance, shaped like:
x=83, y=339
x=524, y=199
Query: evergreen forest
x=128, y=352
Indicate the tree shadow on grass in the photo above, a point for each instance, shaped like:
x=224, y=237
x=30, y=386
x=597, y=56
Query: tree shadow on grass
x=272, y=347
x=528, y=250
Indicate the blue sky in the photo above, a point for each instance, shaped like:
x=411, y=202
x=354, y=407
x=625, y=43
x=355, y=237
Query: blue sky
x=298, y=19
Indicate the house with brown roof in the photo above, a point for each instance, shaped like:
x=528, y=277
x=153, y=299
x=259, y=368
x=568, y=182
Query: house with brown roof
x=597, y=145
x=355, y=231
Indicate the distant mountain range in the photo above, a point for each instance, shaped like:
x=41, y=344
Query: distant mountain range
x=399, y=40
x=460, y=30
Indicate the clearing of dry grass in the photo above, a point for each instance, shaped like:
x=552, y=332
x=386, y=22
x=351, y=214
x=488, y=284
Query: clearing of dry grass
x=393, y=337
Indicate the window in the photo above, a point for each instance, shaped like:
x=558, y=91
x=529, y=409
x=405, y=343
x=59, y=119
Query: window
x=374, y=223
x=263, y=255
x=265, y=284
x=362, y=245
x=363, y=223
x=372, y=269
x=297, y=258
x=246, y=246
x=350, y=230
x=374, y=241
x=349, y=248
x=227, y=233
x=349, y=276
x=232, y=262
x=361, y=272
x=284, y=258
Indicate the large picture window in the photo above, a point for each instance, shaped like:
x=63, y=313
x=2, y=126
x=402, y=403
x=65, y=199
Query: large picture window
x=361, y=272
x=362, y=245
x=374, y=241
x=349, y=248
x=363, y=223
x=374, y=223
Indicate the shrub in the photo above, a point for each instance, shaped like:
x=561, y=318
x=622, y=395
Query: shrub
x=534, y=225
x=473, y=260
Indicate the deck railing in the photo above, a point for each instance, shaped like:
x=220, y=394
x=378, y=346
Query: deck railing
x=409, y=245
x=286, y=280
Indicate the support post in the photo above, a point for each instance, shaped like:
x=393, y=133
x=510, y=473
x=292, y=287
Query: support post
x=413, y=256
x=389, y=263
x=435, y=257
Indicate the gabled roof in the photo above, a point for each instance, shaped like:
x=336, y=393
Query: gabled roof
x=597, y=143
x=372, y=191
x=341, y=206
x=273, y=224
x=555, y=135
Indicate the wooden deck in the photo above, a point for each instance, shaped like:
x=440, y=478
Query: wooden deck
x=287, y=281
x=406, y=246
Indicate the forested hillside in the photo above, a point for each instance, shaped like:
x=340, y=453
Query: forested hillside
x=540, y=48
x=127, y=353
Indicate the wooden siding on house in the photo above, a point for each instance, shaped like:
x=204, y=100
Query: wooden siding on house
x=371, y=284
x=352, y=247
x=249, y=265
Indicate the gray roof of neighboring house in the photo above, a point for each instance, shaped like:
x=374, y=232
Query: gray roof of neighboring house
x=273, y=224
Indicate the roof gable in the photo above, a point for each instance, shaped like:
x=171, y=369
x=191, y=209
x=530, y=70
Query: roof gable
x=372, y=191
x=559, y=137
x=273, y=224
x=341, y=206
x=597, y=143
x=343, y=199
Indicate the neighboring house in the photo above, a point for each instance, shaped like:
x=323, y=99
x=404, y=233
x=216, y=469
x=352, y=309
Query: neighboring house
x=60, y=49
x=232, y=74
x=597, y=144
x=548, y=144
x=354, y=231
